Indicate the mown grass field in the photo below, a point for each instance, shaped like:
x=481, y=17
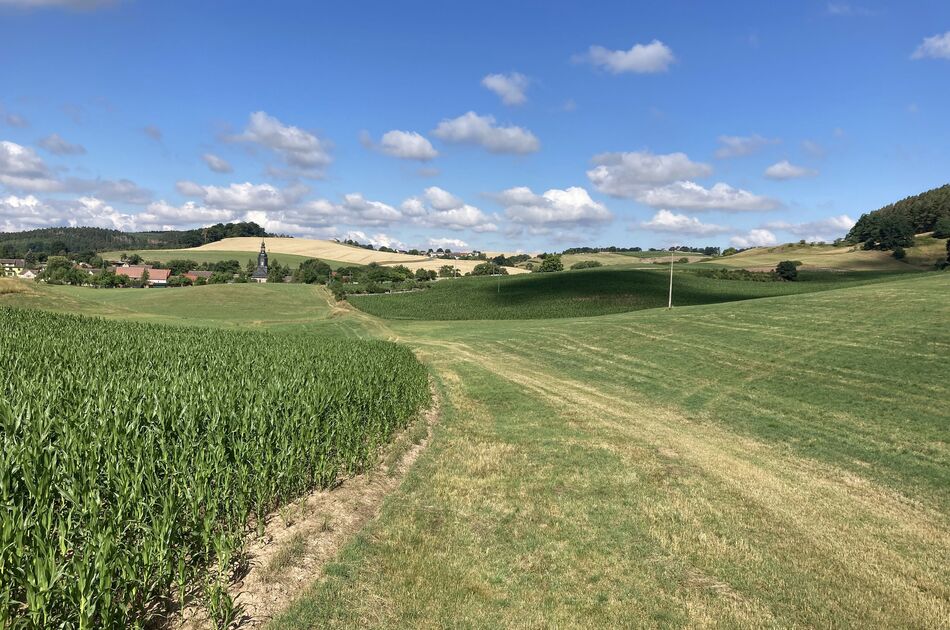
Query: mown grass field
x=134, y=456
x=284, y=306
x=609, y=259
x=779, y=462
x=583, y=293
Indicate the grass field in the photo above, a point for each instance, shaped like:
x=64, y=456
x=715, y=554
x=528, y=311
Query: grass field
x=593, y=473
x=609, y=259
x=583, y=293
x=286, y=306
x=780, y=462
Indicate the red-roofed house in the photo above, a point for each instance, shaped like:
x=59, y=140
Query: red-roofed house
x=156, y=277
x=194, y=275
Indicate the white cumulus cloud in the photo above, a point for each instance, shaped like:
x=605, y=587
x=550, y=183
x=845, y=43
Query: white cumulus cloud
x=510, y=87
x=407, y=145
x=440, y=208
x=571, y=206
x=936, y=47
x=687, y=195
x=672, y=223
x=451, y=243
x=641, y=58
x=821, y=230
x=626, y=174
x=470, y=128
x=754, y=238
x=787, y=170
x=305, y=153
x=244, y=196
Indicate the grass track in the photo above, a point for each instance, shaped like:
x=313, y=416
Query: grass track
x=587, y=473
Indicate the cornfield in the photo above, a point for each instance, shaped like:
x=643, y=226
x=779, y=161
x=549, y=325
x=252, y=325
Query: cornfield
x=134, y=457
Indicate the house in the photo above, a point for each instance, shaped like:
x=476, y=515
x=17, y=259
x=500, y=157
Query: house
x=156, y=277
x=27, y=274
x=12, y=266
x=194, y=275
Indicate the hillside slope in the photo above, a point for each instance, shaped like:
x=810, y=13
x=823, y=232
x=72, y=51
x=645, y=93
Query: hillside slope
x=314, y=248
x=925, y=252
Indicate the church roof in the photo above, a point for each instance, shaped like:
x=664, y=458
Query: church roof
x=259, y=273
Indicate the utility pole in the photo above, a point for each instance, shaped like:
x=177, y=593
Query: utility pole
x=670, y=304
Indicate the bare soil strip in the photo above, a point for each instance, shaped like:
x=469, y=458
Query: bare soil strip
x=302, y=537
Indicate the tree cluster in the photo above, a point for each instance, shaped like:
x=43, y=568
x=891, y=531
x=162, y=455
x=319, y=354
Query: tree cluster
x=913, y=215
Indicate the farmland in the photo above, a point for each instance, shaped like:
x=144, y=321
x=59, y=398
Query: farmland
x=844, y=258
x=738, y=462
x=136, y=455
x=775, y=462
x=213, y=256
x=583, y=293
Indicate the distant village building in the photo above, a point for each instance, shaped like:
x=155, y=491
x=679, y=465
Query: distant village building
x=194, y=275
x=156, y=277
x=260, y=274
x=12, y=266
x=27, y=274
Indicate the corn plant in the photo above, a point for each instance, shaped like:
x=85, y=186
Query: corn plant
x=134, y=457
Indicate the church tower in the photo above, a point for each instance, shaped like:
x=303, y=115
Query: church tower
x=260, y=274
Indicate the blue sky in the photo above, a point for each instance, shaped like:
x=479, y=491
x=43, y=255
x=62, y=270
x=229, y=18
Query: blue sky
x=501, y=126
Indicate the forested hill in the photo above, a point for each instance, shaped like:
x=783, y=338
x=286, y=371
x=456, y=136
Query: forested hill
x=61, y=240
x=916, y=214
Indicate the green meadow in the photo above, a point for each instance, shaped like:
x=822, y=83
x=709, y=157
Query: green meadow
x=585, y=293
x=780, y=461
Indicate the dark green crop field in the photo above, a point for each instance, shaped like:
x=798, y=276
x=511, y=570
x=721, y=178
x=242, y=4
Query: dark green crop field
x=586, y=293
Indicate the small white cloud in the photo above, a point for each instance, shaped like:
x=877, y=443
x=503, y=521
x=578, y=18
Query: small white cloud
x=358, y=210
x=626, y=174
x=407, y=145
x=571, y=206
x=822, y=230
x=510, y=87
x=754, y=238
x=688, y=195
x=672, y=223
x=441, y=199
x=470, y=128
x=738, y=146
x=304, y=152
x=217, y=164
x=641, y=58
x=56, y=144
x=376, y=240
x=451, y=243
x=936, y=47
x=786, y=170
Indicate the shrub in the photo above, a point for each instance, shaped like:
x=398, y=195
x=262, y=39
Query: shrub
x=551, y=262
x=787, y=270
x=942, y=227
x=586, y=264
x=899, y=253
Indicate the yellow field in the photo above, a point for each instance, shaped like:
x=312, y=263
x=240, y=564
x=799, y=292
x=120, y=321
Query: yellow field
x=611, y=258
x=815, y=257
x=332, y=250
